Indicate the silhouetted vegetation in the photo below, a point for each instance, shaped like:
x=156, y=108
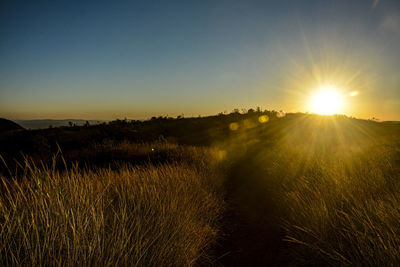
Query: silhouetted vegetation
x=42, y=143
x=254, y=188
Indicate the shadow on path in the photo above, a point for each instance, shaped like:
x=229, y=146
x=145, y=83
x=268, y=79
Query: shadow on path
x=251, y=232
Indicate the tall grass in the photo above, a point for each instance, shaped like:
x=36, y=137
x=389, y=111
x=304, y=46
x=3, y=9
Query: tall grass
x=338, y=204
x=313, y=197
x=157, y=152
x=345, y=209
x=163, y=215
x=334, y=193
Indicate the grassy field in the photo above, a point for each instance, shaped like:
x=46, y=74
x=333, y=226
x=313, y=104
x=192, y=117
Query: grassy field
x=323, y=207
x=163, y=215
x=344, y=208
x=301, y=190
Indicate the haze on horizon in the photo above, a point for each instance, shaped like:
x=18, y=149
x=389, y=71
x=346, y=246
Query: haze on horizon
x=137, y=59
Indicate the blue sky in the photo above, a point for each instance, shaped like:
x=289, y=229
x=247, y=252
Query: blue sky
x=136, y=59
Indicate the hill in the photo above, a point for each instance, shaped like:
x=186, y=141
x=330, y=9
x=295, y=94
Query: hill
x=225, y=131
x=7, y=125
x=260, y=188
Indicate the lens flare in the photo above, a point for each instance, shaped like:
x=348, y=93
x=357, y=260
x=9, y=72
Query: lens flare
x=263, y=119
x=233, y=126
x=354, y=93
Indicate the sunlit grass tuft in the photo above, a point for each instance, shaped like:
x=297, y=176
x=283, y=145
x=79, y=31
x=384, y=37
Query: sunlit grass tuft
x=136, y=216
x=343, y=208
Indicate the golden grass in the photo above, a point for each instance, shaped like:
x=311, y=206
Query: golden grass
x=335, y=192
x=136, y=216
x=338, y=203
x=344, y=208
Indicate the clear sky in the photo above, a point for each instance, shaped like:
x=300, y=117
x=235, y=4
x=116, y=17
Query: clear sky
x=135, y=59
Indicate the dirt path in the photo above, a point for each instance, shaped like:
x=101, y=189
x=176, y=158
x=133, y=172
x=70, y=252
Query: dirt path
x=251, y=231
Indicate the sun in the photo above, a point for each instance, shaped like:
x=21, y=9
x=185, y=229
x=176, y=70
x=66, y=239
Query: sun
x=326, y=101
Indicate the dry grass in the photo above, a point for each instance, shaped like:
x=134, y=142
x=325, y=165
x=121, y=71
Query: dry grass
x=344, y=208
x=335, y=194
x=136, y=216
x=127, y=151
x=337, y=201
